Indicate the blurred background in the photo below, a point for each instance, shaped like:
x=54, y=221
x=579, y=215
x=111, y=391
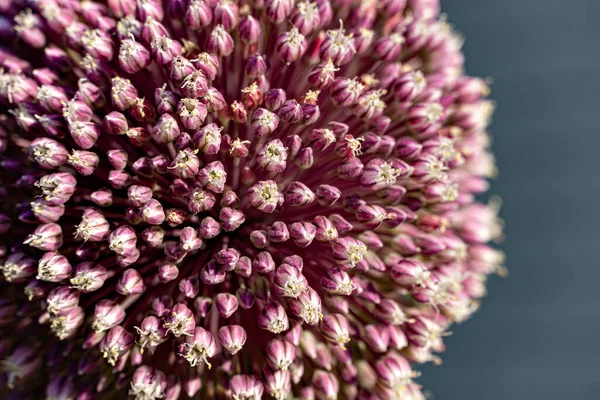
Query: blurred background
x=535, y=335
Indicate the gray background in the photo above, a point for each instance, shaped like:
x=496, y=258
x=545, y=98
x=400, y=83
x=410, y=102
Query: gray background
x=536, y=335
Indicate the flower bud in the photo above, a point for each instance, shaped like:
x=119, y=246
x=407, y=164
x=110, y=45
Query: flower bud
x=148, y=382
x=232, y=337
x=274, y=99
x=250, y=30
x=226, y=304
x=115, y=344
x=18, y=267
x=47, y=237
x=131, y=283
x=198, y=347
x=335, y=329
x=88, y=277
x=62, y=299
x=219, y=42
x=326, y=385
x=280, y=354
x=246, y=387
x=291, y=45
x=107, y=315
x=273, y=318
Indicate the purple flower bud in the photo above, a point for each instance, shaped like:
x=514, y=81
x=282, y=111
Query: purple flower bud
x=264, y=122
x=338, y=282
x=335, y=329
x=264, y=196
x=85, y=162
x=277, y=383
x=259, y=239
x=122, y=240
x=199, y=346
x=409, y=85
x=328, y=195
x=91, y=94
x=198, y=15
x=48, y=153
x=149, y=9
x=250, y=30
x=256, y=66
x=280, y=354
x=88, y=277
x=107, y=315
x=423, y=119
x=219, y=42
x=191, y=113
x=57, y=188
x=232, y=337
x=166, y=129
x=291, y=45
x=185, y=164
x=61, y=387
x=18, y=267
x=164, y=50
x=350, y=170
x=98, y=44
x=51, y=98
x=47, y=237
x=274, y=99
x=23, y=362
x=115, y=123
x=133, y=56
x=272, y=157
x=118, y=159
x=131, y=283
x=148, y=382
x=209, y=228
x=62, y=299
x=181, y=67
x=213, y=177
x=85, y=134
x=203, y=305
x=298, y=194
x=213, y=273
x=345, y=92
x=263, y=263
x=305, y=158
x=180, y=321
x=246, y=387
x=289, y=281
x=394, y=372
x=273, y=318
x=307, y=306
x=167, y=272
x=226, y=13
x=302, y=233
x=326, y=385
x=93, y=227
x=65, y=325
x=226, y=304
x=208, y=139
x=115, y=344
x=102, y=197
x=231, y=219
x=175, y=254
x=207, y=64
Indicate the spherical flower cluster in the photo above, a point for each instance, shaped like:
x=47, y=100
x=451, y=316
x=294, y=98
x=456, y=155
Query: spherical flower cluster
x=231, y=199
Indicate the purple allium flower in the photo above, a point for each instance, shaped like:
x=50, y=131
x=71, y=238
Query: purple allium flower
x=235, y=199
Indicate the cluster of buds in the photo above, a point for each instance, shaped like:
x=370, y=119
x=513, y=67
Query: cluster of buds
x=231, y=199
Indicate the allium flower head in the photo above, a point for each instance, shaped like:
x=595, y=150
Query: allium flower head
x=236, y=199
